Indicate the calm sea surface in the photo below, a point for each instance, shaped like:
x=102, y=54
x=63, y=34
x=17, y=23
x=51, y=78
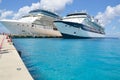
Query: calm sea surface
x=71, y=59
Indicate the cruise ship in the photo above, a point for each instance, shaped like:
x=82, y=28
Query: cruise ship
x=80, y=25
x=38, y=22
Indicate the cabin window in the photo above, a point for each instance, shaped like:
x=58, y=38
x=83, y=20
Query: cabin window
x=23, y=30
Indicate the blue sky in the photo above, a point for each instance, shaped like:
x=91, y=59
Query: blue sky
x=106, y=10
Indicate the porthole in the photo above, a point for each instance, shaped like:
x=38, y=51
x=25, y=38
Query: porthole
x=23, y=30
x=32, y=25
x=74, y=32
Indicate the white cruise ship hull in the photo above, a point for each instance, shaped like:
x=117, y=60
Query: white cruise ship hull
x=28, y=29
x=70, y=31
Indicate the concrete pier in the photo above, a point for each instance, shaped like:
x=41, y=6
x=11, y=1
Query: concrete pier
x=11, y=65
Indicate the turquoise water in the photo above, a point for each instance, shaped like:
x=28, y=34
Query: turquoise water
x=71, y=59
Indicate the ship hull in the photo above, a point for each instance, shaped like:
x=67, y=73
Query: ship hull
x=29, y=29
x=71, y=30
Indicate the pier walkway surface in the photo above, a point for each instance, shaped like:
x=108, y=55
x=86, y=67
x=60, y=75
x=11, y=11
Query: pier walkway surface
x=11, y=65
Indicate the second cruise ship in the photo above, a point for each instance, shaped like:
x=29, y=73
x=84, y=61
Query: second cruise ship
x=80, y=25
x=38, y=22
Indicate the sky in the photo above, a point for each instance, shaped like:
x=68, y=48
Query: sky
x=107, y=11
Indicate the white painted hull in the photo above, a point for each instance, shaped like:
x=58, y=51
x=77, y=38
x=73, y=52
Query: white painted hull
x=26, y=29
x=69, y=31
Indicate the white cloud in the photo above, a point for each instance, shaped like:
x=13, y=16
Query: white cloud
x=24, y=10
x=109, y=14
x=21, y=12
x=0, y=1
x=4, y=14
x=54, y=5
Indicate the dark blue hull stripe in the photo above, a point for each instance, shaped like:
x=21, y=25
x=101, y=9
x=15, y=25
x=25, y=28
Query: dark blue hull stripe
x=68, y=36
